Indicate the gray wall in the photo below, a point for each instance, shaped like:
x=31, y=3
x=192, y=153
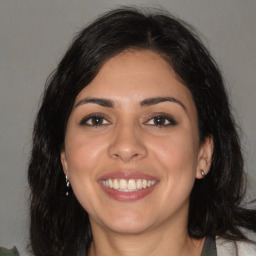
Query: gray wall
x=35, y=33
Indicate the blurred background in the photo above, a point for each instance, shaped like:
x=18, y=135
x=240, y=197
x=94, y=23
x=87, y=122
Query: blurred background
x=34, y=34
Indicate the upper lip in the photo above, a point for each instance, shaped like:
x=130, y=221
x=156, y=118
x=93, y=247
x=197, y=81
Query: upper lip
x=126, y=174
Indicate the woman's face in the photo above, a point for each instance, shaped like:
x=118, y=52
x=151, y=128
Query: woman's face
x=132, y=148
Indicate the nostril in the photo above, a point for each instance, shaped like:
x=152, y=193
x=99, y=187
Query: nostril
x=125, y=157
x=126, y=147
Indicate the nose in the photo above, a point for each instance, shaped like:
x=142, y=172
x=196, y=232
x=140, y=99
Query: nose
x=127, y=144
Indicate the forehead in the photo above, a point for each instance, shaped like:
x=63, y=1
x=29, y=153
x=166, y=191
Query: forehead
x=136, y=75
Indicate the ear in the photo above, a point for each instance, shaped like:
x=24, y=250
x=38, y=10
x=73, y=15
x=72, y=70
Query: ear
x=64, y=163
x=205, y=157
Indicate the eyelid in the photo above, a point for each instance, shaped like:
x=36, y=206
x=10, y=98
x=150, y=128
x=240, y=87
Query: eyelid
x=166, y=116
x=84, y=120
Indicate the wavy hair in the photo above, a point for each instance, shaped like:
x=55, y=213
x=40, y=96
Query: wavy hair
x=59, y=225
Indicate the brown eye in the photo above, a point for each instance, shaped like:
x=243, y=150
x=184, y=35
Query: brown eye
x=162, y=120
x=95, y=120
x=159, y=120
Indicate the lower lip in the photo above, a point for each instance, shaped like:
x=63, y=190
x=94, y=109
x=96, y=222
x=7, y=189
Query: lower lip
x=128, y=196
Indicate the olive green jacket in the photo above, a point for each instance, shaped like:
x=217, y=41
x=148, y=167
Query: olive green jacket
x=11, y=252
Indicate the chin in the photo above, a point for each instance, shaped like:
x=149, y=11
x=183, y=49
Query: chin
x=125, y=223
x=126, y=227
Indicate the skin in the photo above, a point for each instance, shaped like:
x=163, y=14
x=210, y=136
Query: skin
x=129, y=138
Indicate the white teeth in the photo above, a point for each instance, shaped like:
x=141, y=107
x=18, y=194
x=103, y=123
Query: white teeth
x=132, y=184
x=123, y=184
x=128, y=185
x=150, y=183
x=139, y=184
x=115, y=184
x=110, y=183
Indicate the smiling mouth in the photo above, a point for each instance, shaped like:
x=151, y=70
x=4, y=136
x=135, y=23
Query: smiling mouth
x=123, y=185
x=130, y=185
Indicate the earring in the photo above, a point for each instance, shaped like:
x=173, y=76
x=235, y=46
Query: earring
x=203, y=173
x=68, y=185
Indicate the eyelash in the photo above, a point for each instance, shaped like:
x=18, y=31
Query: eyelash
x=90, y=120
x=96, y=120
x=162, y=117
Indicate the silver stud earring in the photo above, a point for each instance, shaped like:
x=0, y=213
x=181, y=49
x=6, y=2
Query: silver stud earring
x=203, y=173
x=68, y=185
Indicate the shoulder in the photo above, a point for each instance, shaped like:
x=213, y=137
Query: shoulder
x=239, y=248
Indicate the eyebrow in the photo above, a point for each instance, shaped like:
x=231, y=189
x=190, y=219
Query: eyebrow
x=102, y=102
x=147, y=102
x=157, y=100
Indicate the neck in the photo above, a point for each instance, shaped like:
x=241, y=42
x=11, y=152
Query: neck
x=165, y=242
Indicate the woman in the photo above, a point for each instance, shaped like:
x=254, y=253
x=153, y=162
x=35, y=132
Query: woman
x=135, y=150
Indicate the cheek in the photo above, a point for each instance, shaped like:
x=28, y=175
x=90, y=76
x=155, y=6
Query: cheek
x=178, y=153
x=83, y=157
x=176, y=156
x=83, y=153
